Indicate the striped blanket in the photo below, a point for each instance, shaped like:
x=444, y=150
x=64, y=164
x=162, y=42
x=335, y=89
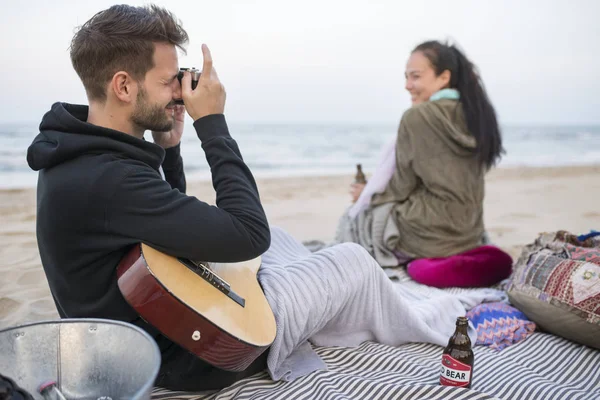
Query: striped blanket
x=542, y=366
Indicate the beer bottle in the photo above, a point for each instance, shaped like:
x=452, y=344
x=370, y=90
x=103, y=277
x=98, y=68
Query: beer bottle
x=457, y=358
x=50, y=391
x=360, y=176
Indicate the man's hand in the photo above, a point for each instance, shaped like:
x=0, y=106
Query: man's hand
x=209, y=96
x=173, y=137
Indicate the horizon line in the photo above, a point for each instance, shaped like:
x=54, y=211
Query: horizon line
x=379, y=122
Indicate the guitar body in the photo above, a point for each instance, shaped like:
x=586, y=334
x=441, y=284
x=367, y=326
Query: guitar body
x=227, y=324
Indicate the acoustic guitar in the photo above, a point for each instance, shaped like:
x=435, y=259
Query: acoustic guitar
x=217, y=311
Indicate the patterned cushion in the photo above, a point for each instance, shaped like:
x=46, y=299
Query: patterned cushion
x=556, y=283
x=499, y=325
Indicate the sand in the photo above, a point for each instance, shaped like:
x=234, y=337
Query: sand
x=520, y=203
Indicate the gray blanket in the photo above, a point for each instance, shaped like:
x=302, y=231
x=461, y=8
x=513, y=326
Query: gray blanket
x=375, y=230
x=340, y=296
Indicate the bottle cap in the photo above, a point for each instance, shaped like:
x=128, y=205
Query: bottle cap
x=45, y=385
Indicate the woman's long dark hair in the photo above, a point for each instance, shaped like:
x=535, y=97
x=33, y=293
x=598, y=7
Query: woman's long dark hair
x=479, y=112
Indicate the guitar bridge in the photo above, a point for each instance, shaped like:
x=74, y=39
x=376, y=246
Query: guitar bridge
x=203, y=271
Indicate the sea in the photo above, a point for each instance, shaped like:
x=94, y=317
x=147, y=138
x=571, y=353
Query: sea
x=312, y=149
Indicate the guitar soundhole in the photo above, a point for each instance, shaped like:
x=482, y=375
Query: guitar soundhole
x=203, y=271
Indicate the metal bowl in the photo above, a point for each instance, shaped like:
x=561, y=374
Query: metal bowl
x=88, y=358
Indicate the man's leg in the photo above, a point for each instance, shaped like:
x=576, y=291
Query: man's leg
x=340, y=296
x=181, y=370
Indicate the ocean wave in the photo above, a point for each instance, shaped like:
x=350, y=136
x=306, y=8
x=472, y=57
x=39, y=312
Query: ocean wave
x=320, y=149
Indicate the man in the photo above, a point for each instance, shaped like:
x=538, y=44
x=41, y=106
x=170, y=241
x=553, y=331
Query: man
x=100, y=190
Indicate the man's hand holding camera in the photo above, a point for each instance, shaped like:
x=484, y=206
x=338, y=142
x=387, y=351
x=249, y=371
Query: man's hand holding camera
x=209, y=96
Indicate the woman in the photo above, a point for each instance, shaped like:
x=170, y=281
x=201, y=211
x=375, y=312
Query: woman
x=432, y=184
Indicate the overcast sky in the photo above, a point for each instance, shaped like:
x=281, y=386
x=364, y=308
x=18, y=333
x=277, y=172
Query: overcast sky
x=332, y=61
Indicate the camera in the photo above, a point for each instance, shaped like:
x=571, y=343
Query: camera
x=195, y=76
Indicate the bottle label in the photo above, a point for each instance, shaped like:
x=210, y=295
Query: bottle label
x=454, y=373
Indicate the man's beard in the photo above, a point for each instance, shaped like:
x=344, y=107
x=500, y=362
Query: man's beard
x=150, y=116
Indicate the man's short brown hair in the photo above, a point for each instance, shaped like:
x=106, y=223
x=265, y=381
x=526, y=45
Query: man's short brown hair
x=121, y=38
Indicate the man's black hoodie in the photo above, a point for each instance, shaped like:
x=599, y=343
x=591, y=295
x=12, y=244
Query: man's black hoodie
x=100, y=192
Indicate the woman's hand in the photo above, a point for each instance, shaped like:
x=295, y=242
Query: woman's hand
x=355, y=190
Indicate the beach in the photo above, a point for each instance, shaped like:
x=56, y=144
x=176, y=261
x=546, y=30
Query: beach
x=520, y=203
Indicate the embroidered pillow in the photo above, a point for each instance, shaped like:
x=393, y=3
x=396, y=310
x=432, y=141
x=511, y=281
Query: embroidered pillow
x=556, y=284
